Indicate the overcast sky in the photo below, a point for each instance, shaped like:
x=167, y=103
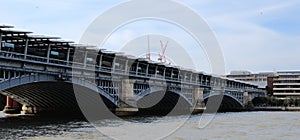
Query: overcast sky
x=254, y=35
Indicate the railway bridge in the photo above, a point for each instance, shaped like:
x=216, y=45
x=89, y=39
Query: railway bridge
x=45, y=74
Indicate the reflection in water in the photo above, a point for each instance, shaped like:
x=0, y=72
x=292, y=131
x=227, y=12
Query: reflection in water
x=21, y=127
x=244, y=125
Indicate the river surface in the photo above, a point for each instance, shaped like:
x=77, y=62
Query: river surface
x=241, y=125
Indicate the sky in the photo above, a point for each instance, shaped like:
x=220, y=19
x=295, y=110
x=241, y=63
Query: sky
x=253, y=35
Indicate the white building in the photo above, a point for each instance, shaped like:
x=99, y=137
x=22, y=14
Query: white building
x=285, y=84
x=259, y=79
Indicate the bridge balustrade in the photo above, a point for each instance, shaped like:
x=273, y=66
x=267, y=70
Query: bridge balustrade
x=160, y=71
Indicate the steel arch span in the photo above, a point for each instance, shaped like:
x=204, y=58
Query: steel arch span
x=149, y=91
x=229, y=102
x=45, y=93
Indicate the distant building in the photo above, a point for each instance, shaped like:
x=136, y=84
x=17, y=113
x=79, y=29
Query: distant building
x=284, y=84
x=259, y=79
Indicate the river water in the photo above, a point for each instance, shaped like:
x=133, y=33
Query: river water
x=241, y=125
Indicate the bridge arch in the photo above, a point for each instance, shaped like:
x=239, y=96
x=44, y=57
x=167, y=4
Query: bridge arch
x=229, y=102
x=87, y=84
x=155, y=90
x=45, y=93
x=162, y=102
x=25, y=79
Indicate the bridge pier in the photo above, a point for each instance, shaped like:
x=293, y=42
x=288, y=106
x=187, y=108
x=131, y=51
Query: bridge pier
x=34, y=110
x=12, y=106
x=128, y=105
x=248, y=105
x=246, y=98
x=30, y=109
x=39, y=110
x=198, y=101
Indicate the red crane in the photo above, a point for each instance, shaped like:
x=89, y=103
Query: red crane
x=162, y=57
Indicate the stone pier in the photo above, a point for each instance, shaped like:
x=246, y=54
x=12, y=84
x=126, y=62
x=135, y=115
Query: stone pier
x=247, y=101
x=198, y=101
x=127, y=104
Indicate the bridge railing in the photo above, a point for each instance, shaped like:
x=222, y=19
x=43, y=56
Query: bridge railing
x=20, y=56
x=11, y=54
x=93, y=67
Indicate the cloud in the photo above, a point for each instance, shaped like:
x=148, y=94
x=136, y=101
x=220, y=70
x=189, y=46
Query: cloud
x=249, y=45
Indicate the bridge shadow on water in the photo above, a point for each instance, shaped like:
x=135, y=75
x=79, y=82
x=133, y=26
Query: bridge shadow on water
x=19, y=127
x=33, y=126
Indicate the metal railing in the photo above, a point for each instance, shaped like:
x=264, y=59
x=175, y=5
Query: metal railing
x=93, y=67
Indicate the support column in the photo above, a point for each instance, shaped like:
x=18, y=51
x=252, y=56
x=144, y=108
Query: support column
x=198, y=100
x=245, y=98
x=164, y=75
x=114, y=64
x=197, y=79
x=9, y=76
x=100, y=61
x=4, y=75
x=85, y=58
x=147, y=70
x=137, y=68
x=178, y=76
x=127, y=103
x=172, y=72
x=127, y=94
x=248, y=105
x=126, y=67
x=26, y=49
x=156, y=68
x=12, y=106
x=9, y=102
x=68, y=56
x=15, y=74
x=48, y=53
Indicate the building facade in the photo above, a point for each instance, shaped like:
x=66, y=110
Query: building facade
x=259, y=79
x=284, y=84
